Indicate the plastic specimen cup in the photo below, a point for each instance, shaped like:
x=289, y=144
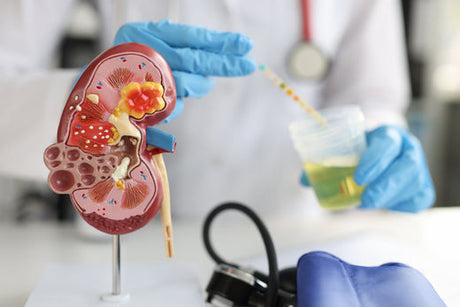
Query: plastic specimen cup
x=330, y=153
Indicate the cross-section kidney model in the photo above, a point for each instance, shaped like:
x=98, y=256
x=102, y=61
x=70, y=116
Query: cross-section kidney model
x=117, y=182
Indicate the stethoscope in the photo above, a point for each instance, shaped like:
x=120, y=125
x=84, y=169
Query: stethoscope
x=307, y=61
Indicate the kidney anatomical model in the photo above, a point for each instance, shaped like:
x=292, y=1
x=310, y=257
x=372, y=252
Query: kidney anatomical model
x=117, y=182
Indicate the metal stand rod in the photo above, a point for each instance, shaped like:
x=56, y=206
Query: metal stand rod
x=116, y=282
x=116, y=296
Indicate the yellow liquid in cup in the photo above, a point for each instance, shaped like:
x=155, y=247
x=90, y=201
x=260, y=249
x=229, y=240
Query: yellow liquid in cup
x=334, y=185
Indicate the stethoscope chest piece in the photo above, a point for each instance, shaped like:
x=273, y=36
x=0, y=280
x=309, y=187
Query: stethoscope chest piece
x=307, y=61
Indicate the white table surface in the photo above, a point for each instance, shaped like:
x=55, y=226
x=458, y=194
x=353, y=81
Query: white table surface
x=427, y=241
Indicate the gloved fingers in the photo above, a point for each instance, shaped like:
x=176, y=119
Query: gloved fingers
x=384, y=146
x=395, y=169
x=188, y=59
x=419, y=202
x=423, y=198
x=403, y=178
x=176, y=112
x=189, y=85
x=192, y=85
x=304, y=179
x=207, y=63
x=186, y=36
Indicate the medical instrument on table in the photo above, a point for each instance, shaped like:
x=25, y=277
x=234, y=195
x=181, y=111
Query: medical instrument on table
x=307, y=60
x=234, y=285
x=290, y=92
x=318, y=279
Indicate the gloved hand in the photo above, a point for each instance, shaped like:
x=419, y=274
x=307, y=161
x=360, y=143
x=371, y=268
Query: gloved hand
x=395, y=171
x=193, y=53
x=325, y=280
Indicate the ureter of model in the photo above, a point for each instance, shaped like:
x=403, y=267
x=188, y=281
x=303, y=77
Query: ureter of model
x=165, y=210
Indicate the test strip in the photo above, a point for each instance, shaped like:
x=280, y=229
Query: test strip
x=290, y=92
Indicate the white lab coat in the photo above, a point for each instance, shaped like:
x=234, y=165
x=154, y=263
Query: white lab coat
x=232, y=144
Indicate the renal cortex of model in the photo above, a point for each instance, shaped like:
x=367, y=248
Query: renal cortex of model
x=104, y=157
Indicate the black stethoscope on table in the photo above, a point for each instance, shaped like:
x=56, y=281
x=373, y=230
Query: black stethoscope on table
x=307, y=61
x=234, y=285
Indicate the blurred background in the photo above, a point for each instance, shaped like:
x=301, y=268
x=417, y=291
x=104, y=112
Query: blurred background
x=432, y=29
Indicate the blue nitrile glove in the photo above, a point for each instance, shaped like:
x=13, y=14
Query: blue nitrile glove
x=395, y=171
x=304, y=179
x=193, y=53
x=324, y=280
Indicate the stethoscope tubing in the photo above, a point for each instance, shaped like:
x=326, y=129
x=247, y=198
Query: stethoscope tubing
x=306, y=28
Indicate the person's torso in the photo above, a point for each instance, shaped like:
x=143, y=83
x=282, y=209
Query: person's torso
x=234, y=143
